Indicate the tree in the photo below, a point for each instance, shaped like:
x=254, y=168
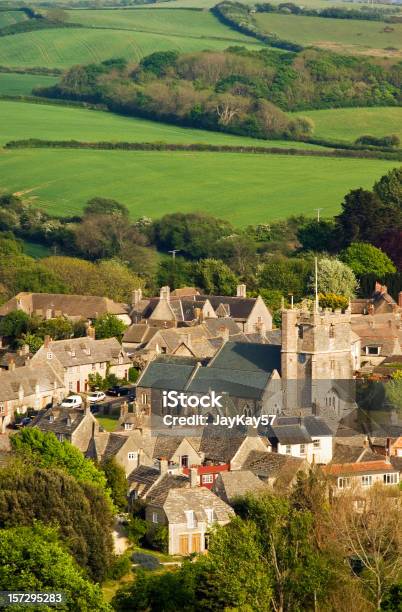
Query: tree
x=32, y=558
x=390, y=242
x=23, y=273
x=159, y=62
x=287, y=275
x=335, y=277
x=373, y=537
x=392, y=601
x=393, y=390
x=215, y=277
x=117, y=482
x=333, y=301
x=194, y=234
x=109, y=326
x=364, y=217
x=14, y=324
x=105, y=206
x=58, y=328
x=116, y=280
x=364, y=258
x=32, y=340
x=79, y=510
x=44, y=449
x=389, y=188
x=317, y=235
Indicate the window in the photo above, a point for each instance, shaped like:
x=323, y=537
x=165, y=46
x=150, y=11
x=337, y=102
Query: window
x=102, y=366
x=94, y=366
x=332, y=364
x=210, y=515
x=302, y=449
x=317, y=443
x=343, y=482
x=60, y=437
x=190, y=517
x=288, y=449
x=300, y=331
x=207, y=479
x=390, y=479
x=70, y=386
x=331, y=331
x=367, y=481
x=50, y=355
x=128, y=426
x=1, y=408
x=132, y=456
x=144, y=398
x=184, y=461
x=154, y=517
x=373, y=350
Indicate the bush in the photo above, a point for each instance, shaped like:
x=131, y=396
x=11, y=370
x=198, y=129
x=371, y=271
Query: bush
x=156, y=538
x=120, y=566
x=136, y=530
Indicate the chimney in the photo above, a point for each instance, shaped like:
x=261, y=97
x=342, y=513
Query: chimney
x=165, y=293
x=123, y=410
x=11, y=365
x=400, y=299
x=193, y=477
x=241, y=291
x=163, y=465
x=47, y=341
x=136, y=297
x=388, y=449
x=91, y=331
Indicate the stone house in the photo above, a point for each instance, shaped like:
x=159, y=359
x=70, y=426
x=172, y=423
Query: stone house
x=73, y=307
x=381, y=302
x=126, y=448
x=76, y=358
x=188, y=513
x=360, y=476
x=28, y=387
x=307, y=437
x=75, y=425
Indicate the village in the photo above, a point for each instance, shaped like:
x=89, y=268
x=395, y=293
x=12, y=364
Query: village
x=303, y=376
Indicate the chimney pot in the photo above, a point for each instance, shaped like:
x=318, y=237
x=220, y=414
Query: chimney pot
x=241, y=291
x=165, y=293
x=163, y=465
x=136, y=297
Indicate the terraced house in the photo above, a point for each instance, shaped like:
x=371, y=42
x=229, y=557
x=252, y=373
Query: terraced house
x=75, y=359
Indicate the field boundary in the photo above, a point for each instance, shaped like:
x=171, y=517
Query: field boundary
x=36, y=143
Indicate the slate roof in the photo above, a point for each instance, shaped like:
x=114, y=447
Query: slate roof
x=315, y=426
x=220, y=448
x=145, y=476
x=165, y=446
x=248, y=357
x=75, y=306
x=288, y=434
x=198, y=499
x=60, y=420
x=343, y=453
x=168, y=374
x=28, y=377
x=83, y=351
x=139, y=333
x=159, y=493
x=229, y=485
x=281, y=468
x=237, y=307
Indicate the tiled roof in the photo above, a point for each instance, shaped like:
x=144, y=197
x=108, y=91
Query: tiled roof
x=237, y=307
x=166, y=446
x=158, y=494
x=197, y=499
x=28, y=378
x=343, y=453
x=288, y=434
x=235, y=383
x=139, y=333
x=143, y=475
x=363, y=467
x=61, y=420
x=271, y=465
x=221, y=448
x=82, y=351
x=315, y=426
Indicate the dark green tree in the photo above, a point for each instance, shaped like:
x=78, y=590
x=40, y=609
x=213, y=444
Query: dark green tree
x=14, y=324
x=109, y=326
x=215, y=277
x=389, y=188
x=117, y=482
x=317, y=235
x=105, y=206
x=364, y=258
x=32, y=558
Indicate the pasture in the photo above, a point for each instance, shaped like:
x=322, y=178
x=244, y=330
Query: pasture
x=8, y=18
x=29, y=120
x=14, y=84
x=349, y=123
x=344, y=35
x=243, y=188
x=64, y=47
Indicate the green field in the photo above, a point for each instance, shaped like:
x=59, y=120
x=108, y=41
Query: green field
x=350, y=123
x=367, y=37
x=200, y=24
x=8, y=18
x=14, y=84
x=243, y=188
x=25, y=120
x=62, y=48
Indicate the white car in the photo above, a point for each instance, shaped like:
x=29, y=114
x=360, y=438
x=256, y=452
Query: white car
x=74, y=401
x=96, y=396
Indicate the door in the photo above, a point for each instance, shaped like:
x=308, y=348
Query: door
x=78, y=386
x=196, y=542
x=183, y=544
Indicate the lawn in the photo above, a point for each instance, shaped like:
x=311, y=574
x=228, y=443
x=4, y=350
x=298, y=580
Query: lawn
x=201, y=24
x=29, y=120
x=243, y=188
x=14, y=84
x=355, y=36
x=35, y=250
x=62, y=48
x=109, y=423
x=350, y=123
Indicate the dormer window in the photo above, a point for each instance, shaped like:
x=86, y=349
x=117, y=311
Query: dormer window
x=190, y=518
x=128, y=426
x=51, y=418
x=210, y=515
x=72, y=352
x=49, y=355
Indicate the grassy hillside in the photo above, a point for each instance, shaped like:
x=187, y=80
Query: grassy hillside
x=24, y=120
x=349, y=123
x=61, y=48
x=167, y=22
x=243, y=188
x=13, y=84
x=356, y=36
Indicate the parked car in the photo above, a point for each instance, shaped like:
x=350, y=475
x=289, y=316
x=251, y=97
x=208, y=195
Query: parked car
x=96, y=396
x=120, y=391
x=73, y=401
